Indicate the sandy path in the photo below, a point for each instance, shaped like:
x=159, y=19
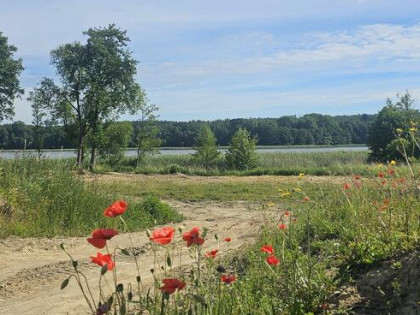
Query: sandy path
x=32, y=270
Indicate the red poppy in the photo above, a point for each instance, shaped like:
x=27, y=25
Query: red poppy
x=116, y=209
x=163, y=236
x=306, y=199
x=391, y=171
x=100, y=236
x=170, y=285
x=212, y=254
x=346, y=186
x=267, y=249
x=101, y=260
x=381, y=175
x=357, y=177
x=287, y=213
x=272, y=260
x=193, y=237
x=227, y=239
x=282, y=226
x=228, y=279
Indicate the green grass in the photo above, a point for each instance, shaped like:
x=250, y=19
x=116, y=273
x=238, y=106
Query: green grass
x=46, y=198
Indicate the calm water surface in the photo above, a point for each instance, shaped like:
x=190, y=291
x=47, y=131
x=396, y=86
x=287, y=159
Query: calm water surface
x=57, y=154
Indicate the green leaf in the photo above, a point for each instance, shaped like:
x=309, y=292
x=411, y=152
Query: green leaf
x=104, y=269
x=65, y=283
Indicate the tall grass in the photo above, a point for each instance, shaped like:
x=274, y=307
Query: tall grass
x=314, y=163
x=46, y=198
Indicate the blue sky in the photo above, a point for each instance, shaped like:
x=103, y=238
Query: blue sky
x=228, y=59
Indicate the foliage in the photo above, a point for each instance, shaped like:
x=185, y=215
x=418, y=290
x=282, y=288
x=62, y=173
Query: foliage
x=147, y=133
x=97, y=84
x=114, y=141
x=41, y=98
x=46, y=198
x=289, y=129
x=241, y=154
x=205, y=145
x=10, y=70
x=393, y=117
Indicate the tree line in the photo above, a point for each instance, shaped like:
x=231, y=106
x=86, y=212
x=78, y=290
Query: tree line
x=312, y=129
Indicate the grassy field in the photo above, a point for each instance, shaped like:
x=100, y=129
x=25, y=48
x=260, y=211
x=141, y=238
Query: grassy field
x=323, y=231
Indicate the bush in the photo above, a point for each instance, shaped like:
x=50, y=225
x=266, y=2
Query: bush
x=241, y=154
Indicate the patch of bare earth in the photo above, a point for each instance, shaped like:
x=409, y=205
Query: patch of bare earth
x=33, y=269
x=392, y=288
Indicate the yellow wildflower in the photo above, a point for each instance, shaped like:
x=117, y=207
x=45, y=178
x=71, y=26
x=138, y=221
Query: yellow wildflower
x=380, y=165
x=270, y=204
x=301, y=175
x=285, y=194
x=412, y=129
x=399, y=130
x=393, y=162
x=297, y=190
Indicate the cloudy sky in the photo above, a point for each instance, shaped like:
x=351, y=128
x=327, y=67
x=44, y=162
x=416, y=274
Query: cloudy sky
x=239, y=58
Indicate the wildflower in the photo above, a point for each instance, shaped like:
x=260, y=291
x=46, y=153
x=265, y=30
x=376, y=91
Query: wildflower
x=193, y=237
x=282, y=226
x=301, y=175
x=383, y=182
x=270, y=204
x=297, y=190
x=228, y=279
x=391, y=171
x=212, y=254
x=163, y=235
x=267, y=249
x=399, y=130
x=227, y=239
x=346, y=186
x=285, y=194
x=393, y=162
x=306, y=199
x=116, y=209
x=100, y=236
x=170, y=285
x=102, y=260
x=357, y=177
x=272, y=260
x=381, y=175
x=412, y=129
x=287, y=213
x=380, y=165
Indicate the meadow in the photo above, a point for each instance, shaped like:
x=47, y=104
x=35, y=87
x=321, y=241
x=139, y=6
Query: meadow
x=320, y=240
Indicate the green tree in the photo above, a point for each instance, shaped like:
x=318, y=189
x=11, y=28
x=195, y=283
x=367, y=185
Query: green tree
x=41, y=98
x=383, y=130
x=97, y=84
x=147, y=137
x=114, y=141
x=242, y=154
x=206, y=146
x=10, y=70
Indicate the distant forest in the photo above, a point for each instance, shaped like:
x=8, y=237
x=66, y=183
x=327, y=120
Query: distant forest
x=287, y=130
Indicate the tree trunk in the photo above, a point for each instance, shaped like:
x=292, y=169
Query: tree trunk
x=80, y=152
x=92, y=159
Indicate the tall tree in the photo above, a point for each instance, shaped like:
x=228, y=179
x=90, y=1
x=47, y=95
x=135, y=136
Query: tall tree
x=97, y=84
x=147, y=138
x=206, y=147
x=41, y=98
x=392, y=116
x=10, y=70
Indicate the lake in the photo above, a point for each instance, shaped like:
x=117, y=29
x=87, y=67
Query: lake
x=60, y=154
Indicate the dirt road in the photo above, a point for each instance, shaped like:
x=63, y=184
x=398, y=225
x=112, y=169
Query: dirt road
x=32, y=270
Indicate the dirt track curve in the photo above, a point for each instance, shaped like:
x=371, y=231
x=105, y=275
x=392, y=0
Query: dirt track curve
x=33, y=269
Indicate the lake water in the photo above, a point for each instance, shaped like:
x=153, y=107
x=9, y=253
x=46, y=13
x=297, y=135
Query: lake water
x=10, y=154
